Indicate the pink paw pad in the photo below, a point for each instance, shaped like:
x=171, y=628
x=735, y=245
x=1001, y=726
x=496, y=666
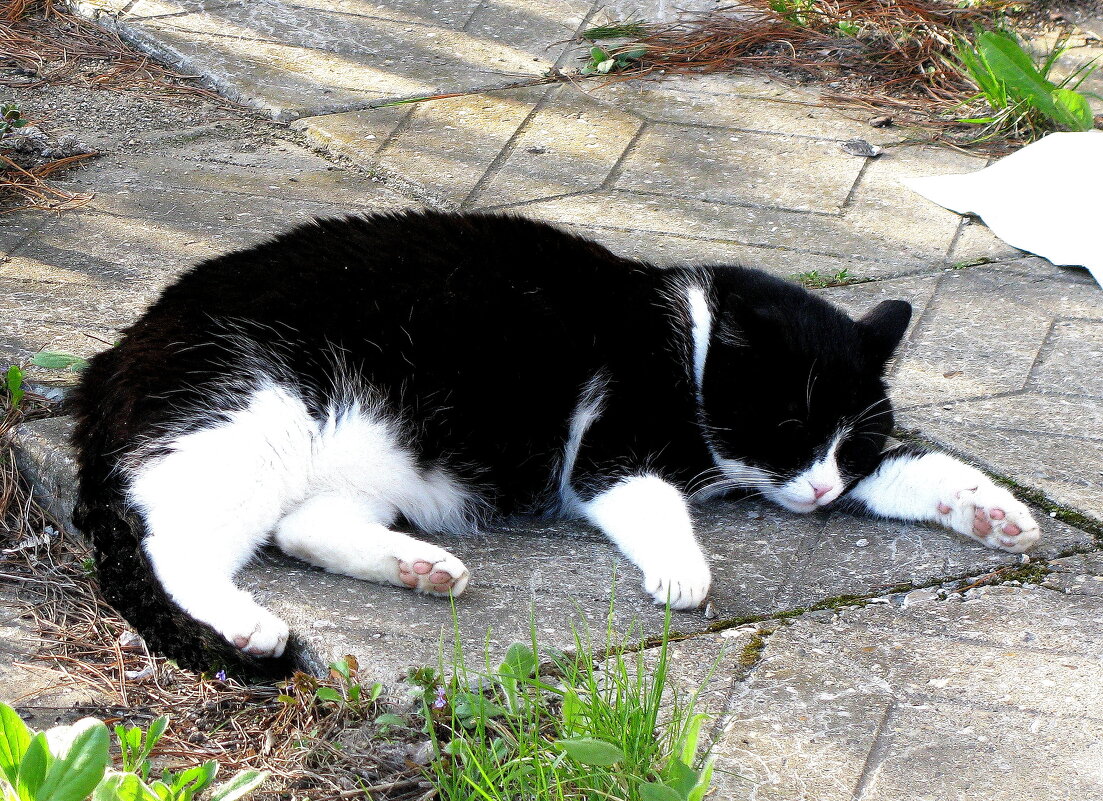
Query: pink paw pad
x=425, y=576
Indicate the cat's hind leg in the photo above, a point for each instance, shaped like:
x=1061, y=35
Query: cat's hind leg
x=350, y=535
x=916, y=484
x=209, y=504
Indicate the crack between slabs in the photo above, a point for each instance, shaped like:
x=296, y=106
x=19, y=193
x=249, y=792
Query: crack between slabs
x=877, y=754
x=1013, y=393
x=912, y=273
x=849, y=199
x=618, y=166
x=919, y=329
x=507, y=150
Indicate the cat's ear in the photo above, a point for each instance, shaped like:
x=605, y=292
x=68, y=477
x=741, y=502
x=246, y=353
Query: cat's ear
x=884, y=327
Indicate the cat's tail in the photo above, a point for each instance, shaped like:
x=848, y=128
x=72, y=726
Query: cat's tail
x=127, y=582
x=123, y=569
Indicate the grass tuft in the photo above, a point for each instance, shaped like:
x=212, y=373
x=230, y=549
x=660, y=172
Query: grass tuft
x=560, y=727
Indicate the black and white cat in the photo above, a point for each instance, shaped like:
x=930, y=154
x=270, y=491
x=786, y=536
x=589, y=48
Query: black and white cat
x=436, y=371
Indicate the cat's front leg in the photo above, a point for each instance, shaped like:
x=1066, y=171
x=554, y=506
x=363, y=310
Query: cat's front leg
x=649, y=521
x=912, y=483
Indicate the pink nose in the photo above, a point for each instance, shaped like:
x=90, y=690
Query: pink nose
x=820, y=491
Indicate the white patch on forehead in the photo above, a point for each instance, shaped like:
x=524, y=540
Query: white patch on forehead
x=701, y=318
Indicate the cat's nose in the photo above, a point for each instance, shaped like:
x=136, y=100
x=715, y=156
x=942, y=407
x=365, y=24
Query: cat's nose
x=821, y=491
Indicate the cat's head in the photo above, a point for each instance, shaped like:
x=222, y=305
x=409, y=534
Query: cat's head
x=792, y=390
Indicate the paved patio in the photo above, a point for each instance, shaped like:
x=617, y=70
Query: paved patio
x=926, y=692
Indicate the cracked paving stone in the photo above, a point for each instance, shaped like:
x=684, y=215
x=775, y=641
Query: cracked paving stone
x=569, y=145
x=938, y=700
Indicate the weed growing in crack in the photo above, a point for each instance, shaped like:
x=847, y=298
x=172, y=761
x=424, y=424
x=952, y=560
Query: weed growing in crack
x=562, y=726
x=814, y=280
x=604, y=61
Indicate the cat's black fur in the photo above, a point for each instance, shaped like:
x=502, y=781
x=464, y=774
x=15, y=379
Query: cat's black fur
x=479, y=332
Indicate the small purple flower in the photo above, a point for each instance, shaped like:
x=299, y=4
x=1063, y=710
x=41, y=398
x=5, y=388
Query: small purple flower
x=440, y=702
x=220, y=675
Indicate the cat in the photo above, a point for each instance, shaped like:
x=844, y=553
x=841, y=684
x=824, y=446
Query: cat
x=439, y=371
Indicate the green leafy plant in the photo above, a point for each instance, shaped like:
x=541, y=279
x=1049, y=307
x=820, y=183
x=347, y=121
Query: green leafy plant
x=604, y=61
x=10, y=119
x=814, y=280
x=57, y=360
x=1019, y=91
x=13, y=382
x=70, y=763
x=848, y=28
x=795, y=12
x=561, y=726
x=343, y=690
x=30, y=770
x=135, y=745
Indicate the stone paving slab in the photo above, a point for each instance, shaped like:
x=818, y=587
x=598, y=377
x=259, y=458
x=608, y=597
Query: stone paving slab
x=73, y=282
x=311, y=57
x=939, y=699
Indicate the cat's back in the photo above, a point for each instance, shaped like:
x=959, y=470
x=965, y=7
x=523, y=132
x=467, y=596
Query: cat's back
x=432, y=308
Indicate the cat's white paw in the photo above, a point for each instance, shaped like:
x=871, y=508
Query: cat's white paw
x=253, y=629
x=686, y=585
x=431, y=570
x=989, y=514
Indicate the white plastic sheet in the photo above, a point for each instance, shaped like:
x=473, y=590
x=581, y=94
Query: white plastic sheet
x=1046, y=198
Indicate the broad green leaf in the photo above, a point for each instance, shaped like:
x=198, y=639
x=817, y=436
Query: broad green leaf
x=598, y=55
x=572, y=710
x=58, y=361
x=1077, y=107
x=240, y=785
x=634, y=54
x=75, y=775
x=680, y=776
x=521, y=659
x=33, y=767
x=456, y=747
x=1011, y=49
x=14, y=739
x=194, y=779
x=591, y=751
x=329, y=694
x=122, y=787
x=15, y=389
x=156, y=729
x=474, y=707
x=690, y=735
x=389, y=719
x=1011, y=63
x=653, y=791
